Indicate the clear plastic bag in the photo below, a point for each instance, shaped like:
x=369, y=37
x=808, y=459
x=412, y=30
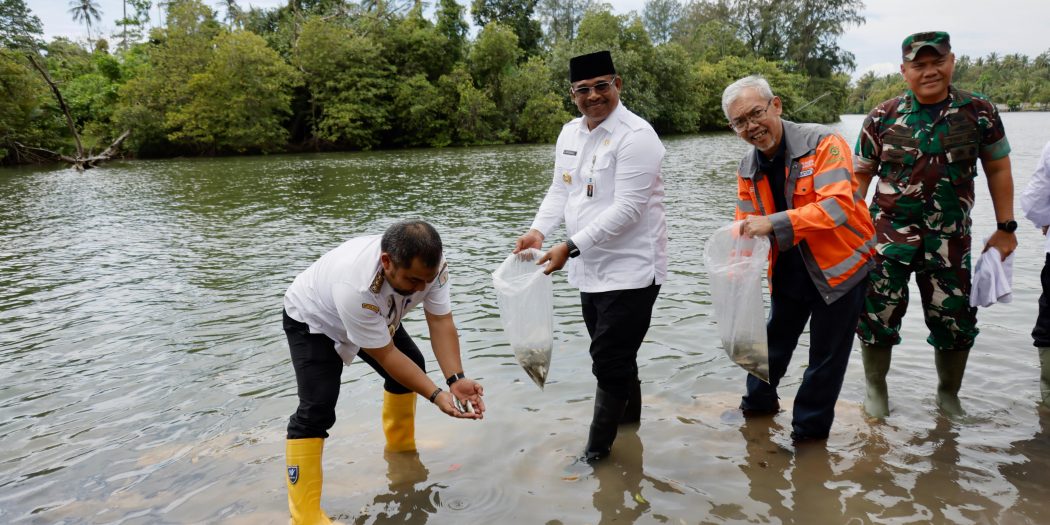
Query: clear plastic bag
x=735, y=265
x=526, y=307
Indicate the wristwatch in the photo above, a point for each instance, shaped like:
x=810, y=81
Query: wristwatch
x=573, y=250
x=454, y=377
x=1009, y=226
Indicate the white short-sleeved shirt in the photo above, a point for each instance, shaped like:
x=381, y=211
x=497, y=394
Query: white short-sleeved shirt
x=608, y=191
x=345, y=297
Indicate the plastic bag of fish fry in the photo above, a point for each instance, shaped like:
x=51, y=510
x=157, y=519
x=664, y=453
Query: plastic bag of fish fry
x=526, y=307
x=735, y=265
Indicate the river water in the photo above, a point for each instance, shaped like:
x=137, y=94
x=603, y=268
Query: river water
x=144, y=376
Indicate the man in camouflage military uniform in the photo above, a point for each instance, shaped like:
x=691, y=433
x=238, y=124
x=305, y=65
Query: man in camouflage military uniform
x=924, y=146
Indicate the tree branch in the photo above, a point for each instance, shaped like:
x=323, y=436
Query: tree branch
x=61, y=102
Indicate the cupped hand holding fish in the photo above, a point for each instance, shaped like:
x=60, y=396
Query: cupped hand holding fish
x=470, y=391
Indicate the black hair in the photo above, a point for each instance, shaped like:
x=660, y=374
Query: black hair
x=406, y=240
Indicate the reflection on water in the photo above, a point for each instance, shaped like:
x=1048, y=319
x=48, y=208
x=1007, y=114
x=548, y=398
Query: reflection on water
x=404, y=501
x=144, y=377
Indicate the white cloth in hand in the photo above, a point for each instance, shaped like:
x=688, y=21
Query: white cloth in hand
x=992, y=279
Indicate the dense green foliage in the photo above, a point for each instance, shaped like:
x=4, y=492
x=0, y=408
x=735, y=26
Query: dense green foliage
x=1015, y=81
x=340, y=74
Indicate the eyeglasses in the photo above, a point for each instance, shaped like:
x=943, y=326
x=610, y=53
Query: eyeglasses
x=600, y=87
x=740, y=123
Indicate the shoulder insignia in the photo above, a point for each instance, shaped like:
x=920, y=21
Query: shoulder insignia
x=377, y=282
x=372, y=307
x=443, y=275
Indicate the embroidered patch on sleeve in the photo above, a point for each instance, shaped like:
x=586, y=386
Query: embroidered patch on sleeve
x=443, y=275
x=372, y=307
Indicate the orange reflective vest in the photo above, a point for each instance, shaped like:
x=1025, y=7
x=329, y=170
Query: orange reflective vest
x=826, y=217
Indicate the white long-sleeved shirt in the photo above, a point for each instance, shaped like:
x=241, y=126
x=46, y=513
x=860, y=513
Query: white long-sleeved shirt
x=1035, y=200
x=620, y=227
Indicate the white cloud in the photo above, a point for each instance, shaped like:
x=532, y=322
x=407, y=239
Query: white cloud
x=977, y=28
x=880, y=69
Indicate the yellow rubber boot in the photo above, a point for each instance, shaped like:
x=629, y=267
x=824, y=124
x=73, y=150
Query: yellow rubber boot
x=304, y=478
x=399, y=421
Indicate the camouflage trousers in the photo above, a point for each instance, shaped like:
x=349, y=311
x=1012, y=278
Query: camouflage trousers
x=945, y=293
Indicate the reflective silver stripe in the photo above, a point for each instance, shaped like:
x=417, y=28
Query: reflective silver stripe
x=868, y=246
x=782, y=230
x=842, y=267
x=828, y=177
x=834, y=209
x=853, y=230
x=850, y=261
x=857, y=196
x=745, y=206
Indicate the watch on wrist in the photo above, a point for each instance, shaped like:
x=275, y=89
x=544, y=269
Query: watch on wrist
x=573, y=250
x=1009, y=226
x=454, y=377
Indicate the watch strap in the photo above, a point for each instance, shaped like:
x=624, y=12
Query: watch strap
x=454, y=377
x=573, y=250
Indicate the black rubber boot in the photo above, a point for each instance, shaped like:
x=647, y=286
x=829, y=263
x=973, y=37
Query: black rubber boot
x=632, y=413
x=951, y=365
x=876, y=365
x=608, y=409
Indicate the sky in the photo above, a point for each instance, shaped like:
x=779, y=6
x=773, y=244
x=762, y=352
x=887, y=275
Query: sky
x=1013, y=26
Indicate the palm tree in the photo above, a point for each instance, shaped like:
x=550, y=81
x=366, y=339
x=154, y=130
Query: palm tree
x=85, y=12
x=233, y=13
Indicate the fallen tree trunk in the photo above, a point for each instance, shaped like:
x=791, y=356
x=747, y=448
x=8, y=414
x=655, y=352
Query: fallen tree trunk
x=81, y=163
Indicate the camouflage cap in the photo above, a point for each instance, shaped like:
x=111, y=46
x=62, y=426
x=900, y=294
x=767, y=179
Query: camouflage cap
x=938, y=40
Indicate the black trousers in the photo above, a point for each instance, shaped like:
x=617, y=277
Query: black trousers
x=1041, y=332
x=831, y=333
x=317, y=374
x=617, y=321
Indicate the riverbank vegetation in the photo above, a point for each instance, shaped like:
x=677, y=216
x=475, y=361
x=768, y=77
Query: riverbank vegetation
x=319, y=75
x=1015, y=82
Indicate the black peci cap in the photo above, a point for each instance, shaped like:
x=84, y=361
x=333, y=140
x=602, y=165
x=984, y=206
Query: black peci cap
x=591, y=65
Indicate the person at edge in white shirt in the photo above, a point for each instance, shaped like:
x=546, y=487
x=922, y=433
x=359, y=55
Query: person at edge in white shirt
x=608, y=191
x=350, y=303
x=1035, y=201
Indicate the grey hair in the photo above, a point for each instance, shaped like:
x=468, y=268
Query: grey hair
x=734, y=90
